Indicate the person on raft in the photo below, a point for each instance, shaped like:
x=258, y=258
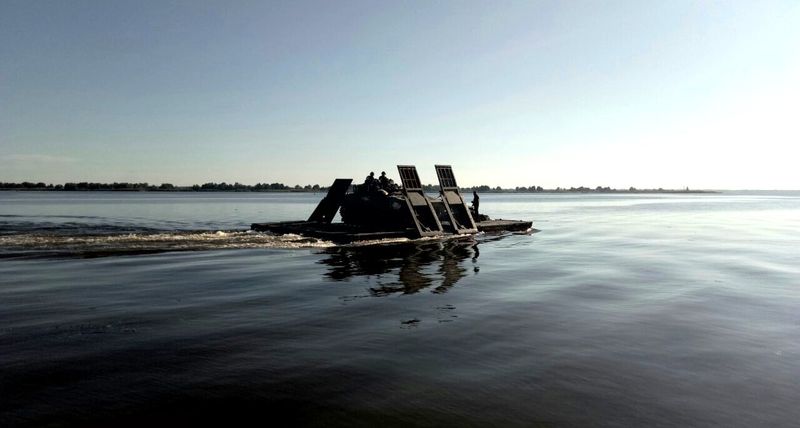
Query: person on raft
x=384, y=181
x=370, y=183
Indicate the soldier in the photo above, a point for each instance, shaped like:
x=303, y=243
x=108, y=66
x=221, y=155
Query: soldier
x=369, y=182
x=384, y=181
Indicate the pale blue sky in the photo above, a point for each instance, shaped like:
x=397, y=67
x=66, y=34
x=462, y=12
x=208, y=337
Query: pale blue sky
x=565, y=93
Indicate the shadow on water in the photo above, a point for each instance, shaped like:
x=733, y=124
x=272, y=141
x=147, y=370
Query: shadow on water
x=405, y=268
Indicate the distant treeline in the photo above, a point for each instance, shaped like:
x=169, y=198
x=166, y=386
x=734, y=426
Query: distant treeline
x=581, y=189
x=168, y=187
x=258, y=187
x=280, y=187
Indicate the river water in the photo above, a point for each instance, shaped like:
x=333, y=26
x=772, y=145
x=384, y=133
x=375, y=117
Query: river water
x=135, y=309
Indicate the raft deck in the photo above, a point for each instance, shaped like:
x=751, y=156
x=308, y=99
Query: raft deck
x=500, y=225
x=344, y=233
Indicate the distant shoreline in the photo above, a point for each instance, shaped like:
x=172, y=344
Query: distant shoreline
x=281, y=188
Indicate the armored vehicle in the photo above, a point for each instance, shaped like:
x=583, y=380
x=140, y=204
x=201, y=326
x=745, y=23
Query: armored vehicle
x=379, y=209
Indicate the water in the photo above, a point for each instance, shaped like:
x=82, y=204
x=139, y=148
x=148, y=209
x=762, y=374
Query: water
x=625, y=310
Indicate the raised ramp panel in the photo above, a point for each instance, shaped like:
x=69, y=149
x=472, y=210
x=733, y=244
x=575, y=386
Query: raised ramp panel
x=461, y=221
x=329, y=205
x=422, y=212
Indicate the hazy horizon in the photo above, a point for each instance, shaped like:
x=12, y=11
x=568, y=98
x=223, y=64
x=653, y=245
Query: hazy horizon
x=554, y=94
x=291, y=186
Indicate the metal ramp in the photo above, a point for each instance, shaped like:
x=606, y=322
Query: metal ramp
x=327, y=207
x=461, y=221
x=422, y=213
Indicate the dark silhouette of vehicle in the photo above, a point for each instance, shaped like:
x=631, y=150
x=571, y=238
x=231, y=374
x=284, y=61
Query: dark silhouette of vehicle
x=380, y=209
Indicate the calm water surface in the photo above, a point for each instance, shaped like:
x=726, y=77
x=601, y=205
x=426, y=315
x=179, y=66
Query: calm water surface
x=625, y=310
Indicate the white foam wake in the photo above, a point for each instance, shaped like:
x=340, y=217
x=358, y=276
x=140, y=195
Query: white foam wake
x=165, y=241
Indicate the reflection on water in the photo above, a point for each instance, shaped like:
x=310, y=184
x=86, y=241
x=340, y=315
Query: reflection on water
x=405, y=268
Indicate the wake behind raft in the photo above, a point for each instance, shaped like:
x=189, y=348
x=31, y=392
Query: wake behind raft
x=380, y=210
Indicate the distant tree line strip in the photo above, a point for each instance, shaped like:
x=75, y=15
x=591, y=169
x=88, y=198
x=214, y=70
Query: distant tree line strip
x=216, y=187
x=280, y=187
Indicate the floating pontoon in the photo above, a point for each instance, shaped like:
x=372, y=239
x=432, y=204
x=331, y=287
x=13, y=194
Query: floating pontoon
x=371, y=213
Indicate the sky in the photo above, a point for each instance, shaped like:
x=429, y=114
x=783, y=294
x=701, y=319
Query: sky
x=672, y=94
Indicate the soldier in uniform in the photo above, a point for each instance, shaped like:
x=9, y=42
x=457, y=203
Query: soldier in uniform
x=369, y=183
x=384, y=181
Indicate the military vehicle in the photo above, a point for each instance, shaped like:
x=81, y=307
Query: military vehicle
x=377, y=210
